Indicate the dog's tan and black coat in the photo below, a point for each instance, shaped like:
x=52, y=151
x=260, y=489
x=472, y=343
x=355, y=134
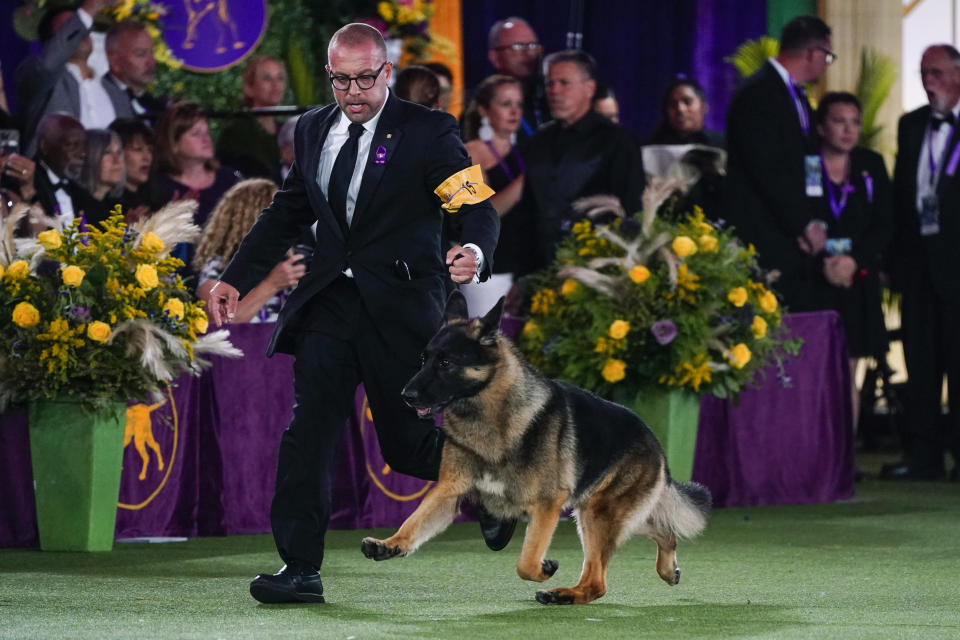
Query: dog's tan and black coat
x=521, y=444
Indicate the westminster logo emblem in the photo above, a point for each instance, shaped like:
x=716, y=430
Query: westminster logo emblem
x=150, y=441
x=212, y=35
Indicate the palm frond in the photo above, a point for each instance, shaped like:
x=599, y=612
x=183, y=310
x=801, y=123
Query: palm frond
x=173, y=224
x=595, y=206
x=588, y=277
x=750, y=56
x=877, y=75
x=8, y=247
x=213, y=344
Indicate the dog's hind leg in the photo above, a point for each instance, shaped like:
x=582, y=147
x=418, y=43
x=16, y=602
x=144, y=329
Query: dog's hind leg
x=667, y=557
x=531, y=565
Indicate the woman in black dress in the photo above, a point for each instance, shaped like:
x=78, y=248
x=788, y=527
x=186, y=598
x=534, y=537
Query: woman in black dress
x=857, y=206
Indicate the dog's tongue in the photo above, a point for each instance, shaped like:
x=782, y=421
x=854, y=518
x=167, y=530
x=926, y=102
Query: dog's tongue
x=423, y=412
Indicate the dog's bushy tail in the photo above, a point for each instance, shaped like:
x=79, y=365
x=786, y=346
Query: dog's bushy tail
x=683, y=509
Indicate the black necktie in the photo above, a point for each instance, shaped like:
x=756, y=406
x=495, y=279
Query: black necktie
x=936, y=120
x=342, y=173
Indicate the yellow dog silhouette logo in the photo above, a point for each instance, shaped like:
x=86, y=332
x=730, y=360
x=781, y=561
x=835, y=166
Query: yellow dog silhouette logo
x=226, y=28
x=139, y=428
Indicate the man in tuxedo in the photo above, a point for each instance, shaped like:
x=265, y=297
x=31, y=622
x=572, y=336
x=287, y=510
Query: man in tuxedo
x=376, y=174
x=61, y=152
x=925, y=261
x=579, y=153
x=514, y=50
x=773, y=166
x=130, y=55
x=59, y=80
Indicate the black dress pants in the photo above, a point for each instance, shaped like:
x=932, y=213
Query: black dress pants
x=337, y=347
x=931, y=348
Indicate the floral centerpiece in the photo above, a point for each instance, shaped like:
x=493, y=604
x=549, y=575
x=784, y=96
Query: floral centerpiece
x=100, y=313
x=409, y=21
x=642, y=302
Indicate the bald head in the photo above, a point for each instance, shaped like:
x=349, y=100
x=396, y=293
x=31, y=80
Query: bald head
x=357, y=35
x=61, y=144
x=940, y=73
x=513, y=47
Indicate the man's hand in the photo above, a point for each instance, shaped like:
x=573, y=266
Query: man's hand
x=814, y=237
x=287, y=273
x=21, y=169
x=462, y=263
x=839, y=270
x=221, y=302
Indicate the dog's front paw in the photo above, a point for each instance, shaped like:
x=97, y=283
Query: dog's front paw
x=549, y=566
x=555, y=596
x=377, y=550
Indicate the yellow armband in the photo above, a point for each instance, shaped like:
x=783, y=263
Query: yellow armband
x=463, y=187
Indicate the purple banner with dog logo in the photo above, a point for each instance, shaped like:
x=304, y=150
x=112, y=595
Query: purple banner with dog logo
x=211, y=35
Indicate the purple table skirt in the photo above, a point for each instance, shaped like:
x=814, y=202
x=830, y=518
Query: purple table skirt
x=203, y=463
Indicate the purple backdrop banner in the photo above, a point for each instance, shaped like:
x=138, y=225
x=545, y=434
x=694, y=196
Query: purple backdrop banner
x=203, y=461
x=210, y=35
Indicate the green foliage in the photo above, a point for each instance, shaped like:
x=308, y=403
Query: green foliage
x=877, y=75
x=637, y=304
x=750, y=56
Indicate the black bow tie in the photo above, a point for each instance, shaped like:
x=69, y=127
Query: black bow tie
x=936, y=120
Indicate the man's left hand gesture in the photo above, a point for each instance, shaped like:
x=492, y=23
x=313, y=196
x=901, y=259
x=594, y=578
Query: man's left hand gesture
x=462, y=263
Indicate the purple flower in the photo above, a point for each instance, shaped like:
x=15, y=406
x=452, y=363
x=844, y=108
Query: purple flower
x=79, y=313
x=664, y=331
x=376, y=23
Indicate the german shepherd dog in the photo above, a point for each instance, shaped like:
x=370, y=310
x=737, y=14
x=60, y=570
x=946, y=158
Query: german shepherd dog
x=521, y=444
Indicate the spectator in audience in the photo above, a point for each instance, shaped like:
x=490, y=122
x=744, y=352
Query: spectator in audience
x=285, y=140
x=580, y=153
x=249, y=143
x=187, y=167
x=59, y=80
x=514, y=50
x=682, y=111
x=419, y=85
x=139, y=196
x=926, y=262
x=497, y=108
x=773, y=166
x=103, y=174
x=605, y=103
x=445, y=76
x=61, y=152
x=858, y=208
x=16, y=174
x=230, y=221
x=130, y=55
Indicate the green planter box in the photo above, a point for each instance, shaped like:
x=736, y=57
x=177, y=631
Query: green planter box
x=77, y=457
x=672, y=416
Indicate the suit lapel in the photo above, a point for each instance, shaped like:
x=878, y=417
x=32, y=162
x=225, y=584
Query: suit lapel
x=315, y=138
x=950, y=163
x=385, y=141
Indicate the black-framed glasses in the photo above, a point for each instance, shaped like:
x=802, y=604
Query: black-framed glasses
x=520, y=46
x=830, y=56
x=364, y=81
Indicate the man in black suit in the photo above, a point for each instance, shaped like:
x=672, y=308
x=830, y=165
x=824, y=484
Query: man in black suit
x=514, y=50
x=579, y=153
x=773, y=166
x=925, y=263
x=132, y=63
x=376, y=174
x=61, y=153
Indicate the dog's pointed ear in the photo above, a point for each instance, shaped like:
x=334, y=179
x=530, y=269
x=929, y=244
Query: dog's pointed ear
x=490, y=324
x=456, y=308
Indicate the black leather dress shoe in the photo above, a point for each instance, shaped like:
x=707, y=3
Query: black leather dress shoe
x=906, y=470
x=287, y=585
x=496, y=533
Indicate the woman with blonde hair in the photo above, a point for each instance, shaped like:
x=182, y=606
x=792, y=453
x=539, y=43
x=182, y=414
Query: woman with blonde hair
x=235, y=214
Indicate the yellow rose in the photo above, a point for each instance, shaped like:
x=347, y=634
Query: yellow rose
x=530, y=329
x=18, y=269
x=706, y=227
x=683, y=246
x=385, y=9
x=174, y=307
x=759, y=327
x=618, y=329
x=146, y=275
x=639, y=274
x=200, y=323
x=737, y=296
x=768, y=302
x=98, y=331
x=71, y=275
x=151, y=242
x=569, y=286
x=708, y=242
x=739, y=356
x=49, y=239
x=614, y=370
x=25, y=315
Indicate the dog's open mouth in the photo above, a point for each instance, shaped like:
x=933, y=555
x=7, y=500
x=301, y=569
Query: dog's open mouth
x=424, y=412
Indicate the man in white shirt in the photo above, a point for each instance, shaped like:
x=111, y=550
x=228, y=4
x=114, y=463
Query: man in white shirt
x=59, y=80
x=132, y=63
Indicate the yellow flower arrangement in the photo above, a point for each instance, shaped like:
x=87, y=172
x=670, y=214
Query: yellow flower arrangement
x=409, y=20
x=99, y=316
x=700, y=322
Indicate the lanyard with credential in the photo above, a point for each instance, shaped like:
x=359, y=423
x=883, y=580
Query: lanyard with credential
x=836, y=205
x=935, y=164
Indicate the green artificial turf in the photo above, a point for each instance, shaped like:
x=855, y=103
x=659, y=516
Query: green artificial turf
x=885, y=565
